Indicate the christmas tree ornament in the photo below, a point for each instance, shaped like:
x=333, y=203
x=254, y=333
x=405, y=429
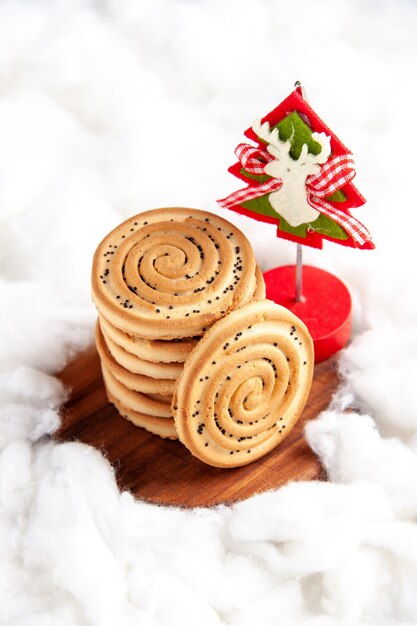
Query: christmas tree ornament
x=299, y=177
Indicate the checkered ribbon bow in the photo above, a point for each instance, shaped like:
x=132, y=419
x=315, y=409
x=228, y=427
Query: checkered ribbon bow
x=333, y=175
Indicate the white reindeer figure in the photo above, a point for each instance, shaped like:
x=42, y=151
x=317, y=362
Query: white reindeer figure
x=290, y=200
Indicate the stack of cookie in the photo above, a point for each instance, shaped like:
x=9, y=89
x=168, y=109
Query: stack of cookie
x=160, y=280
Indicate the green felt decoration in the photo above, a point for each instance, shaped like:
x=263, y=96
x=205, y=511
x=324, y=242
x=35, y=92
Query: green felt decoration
x=294, y=127
x=261, y=178
x=337, y=196
x=322, y=225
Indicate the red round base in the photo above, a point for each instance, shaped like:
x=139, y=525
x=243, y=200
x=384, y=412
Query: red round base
x=325, y=309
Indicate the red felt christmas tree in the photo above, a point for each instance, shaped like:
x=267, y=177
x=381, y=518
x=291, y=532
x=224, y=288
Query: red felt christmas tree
x=299, y=177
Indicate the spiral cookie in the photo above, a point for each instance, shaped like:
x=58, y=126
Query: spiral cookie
x=260, y=290
x=134, y=400
x=175, y=351
x=135, y=382
x=165, y=428
x=244, y=385
x=171, y=273
x=150, y=411
x=136, y=365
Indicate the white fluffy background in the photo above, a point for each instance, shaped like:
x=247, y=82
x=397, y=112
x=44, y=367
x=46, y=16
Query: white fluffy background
x=109, y=108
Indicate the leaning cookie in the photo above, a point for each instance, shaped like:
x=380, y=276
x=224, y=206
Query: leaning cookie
x=244, y=385
x=171, y=273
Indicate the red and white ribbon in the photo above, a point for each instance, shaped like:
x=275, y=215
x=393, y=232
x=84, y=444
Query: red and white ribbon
x=333, y=175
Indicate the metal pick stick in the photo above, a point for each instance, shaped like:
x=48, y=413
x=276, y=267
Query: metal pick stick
x=299, y=274
x=299, y=262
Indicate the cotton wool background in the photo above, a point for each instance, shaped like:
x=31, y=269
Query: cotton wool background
x=108, y=108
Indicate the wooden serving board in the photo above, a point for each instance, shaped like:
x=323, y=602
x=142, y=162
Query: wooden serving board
x=164, y=471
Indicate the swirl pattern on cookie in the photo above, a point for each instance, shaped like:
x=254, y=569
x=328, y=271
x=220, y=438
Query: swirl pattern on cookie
x=171, y=273
x=245, y=385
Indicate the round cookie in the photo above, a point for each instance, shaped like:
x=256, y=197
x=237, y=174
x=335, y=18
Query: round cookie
x=260, y=289
x=244, y=385
x=165, y=428
x=136, y=365
x=134, y=400
x=136, y=382
x=157, y=396
x=171, y=273
x=175, y=351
